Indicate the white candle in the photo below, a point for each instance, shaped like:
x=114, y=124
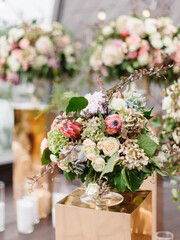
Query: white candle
x=25, y=216
x=56, y=197
x=2, y=216
x=34, y=201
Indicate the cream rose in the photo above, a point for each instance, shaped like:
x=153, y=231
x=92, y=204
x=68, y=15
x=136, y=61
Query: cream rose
x=44, y=45
x=92, y=190
x=98, y=164
x=15, y=34
x=112, y=55
x=118, y=104
x=13, y=63
x=91, y=156
x=111, y=145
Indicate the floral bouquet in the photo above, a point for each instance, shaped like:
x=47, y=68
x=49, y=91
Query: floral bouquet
x=104, y=140
x=170, y=135
x=130, y=43
x=36, y=51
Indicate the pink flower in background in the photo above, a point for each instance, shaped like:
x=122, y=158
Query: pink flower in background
x=17, y=53
x=44, y=145
x=117, y=43
x=124, y=32
x=132, y=55
x=24, y=43
x=143, y=51
x=13, y=78
x=104, y=71
x=13, y=45
x=54, y=63
x=158, y=57
x=65, y=40
x=133, y=40
x=2, y=62
x=25, y=66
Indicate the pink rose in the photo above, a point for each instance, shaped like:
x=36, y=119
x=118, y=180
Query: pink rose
x=25, y=66
x=132, y=55
x=124, y=32
x=13, y=78
x=44, y=145
x=133, y=39
x=65, y=40
x=17, y=53
x=24, y=43
x=14, y=45
x=117, y=43
x=143, y=51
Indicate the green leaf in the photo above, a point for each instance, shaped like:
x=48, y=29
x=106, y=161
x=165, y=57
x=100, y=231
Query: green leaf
x=103, y=125
x=119, y=182
x=173, y=181
x=45, y=159
x=146, y=143
x=156, y=123
x=76, y=104
x=110, y=164
x=112, y=112
x=89, y=172
x=69, y=176
x=174, y=192
x=170, y=124
x=132, y=180
x=161, y=172
x=147, y=114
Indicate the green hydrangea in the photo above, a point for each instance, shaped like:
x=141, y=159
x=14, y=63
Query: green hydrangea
x=92, y=129
x=56, y=140
x=136, y=101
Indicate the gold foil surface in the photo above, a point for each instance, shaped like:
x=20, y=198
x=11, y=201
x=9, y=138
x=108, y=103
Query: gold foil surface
x=130, y=220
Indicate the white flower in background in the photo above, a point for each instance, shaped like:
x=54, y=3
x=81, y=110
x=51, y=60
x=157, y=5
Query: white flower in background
x=150, y=26
x=112, y=55
x=68, y=50
x=96, y=60
x=167, y=103
x=143, y=60
x=118, y=104
x=4, y=47
x=92, y=190
x=29, y=55
x=46, y=27
x=15, y=34
x=40, y=61
x=111, y=145
x=165, y=21
x=70, y=59
x=44, y=45
x=170, y=46
x=13, y=63
x=155, y=40
x=135, y=26
x=176, y=135
x=107, y=30
x=122, y=21
x=98, y=164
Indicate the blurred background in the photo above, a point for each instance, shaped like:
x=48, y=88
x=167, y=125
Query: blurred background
x=81, y=18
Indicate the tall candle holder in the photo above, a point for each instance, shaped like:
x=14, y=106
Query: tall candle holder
x=2, y=206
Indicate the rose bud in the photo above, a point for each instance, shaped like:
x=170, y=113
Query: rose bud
x=113, y=124
x=71, y=129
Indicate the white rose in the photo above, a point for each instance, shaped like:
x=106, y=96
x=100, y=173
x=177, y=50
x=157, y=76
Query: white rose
x=44, y=45
x=70, y=59
x=92, y=190
x=118, y=104
x=135, y=26
x=15, y=34
x=96, y=60
x=150, y=26
x=4, y=47
x=68, y=50
x=112, y=55
x=107, y=30
x=46, y=27
x=166, y=104
x=143, y=60
x=122, y=21
x=13, y=63
x=157, y=43
x=111, y=145
x=91, y=156
x=167, y=41
x=98, y=164
x=40, y=61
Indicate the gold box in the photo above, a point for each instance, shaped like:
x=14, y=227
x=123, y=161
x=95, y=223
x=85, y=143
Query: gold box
x=130, y=220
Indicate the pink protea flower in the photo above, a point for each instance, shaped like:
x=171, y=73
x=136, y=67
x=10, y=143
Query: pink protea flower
x=113, y=124
x=44, y=145
x=71, y=129
x=124, y=32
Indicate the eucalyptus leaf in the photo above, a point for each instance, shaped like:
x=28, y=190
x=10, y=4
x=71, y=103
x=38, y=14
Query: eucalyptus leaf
x=110, y=164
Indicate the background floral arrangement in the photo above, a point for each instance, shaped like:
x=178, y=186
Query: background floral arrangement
x=34, y=50
x=129, y=43
x=104, y=140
